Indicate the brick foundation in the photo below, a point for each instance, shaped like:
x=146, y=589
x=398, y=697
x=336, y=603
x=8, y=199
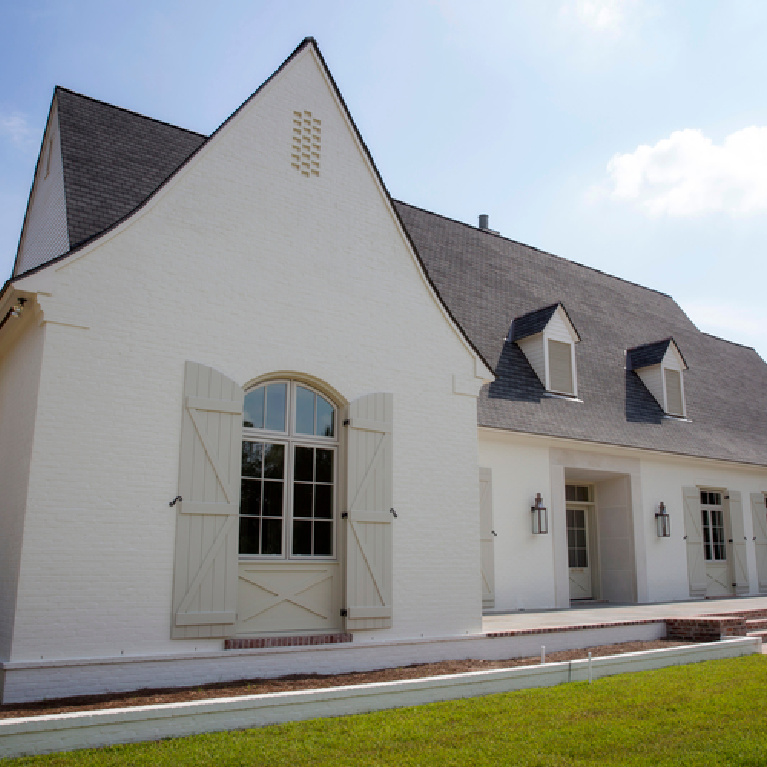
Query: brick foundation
x=259, y=643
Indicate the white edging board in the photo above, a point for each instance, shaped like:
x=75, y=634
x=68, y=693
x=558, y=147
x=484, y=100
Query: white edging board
x=88, y=729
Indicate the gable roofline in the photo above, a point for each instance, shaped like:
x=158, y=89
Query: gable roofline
x=193, y=154
x=31, y=190
x=653, y=354
x=305, y=43
x=537, y=321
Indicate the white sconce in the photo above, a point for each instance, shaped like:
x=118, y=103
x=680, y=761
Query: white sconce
x=662, y=522
x=540, y=517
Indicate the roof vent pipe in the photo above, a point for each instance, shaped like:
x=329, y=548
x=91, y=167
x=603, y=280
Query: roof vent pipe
x=484, y=221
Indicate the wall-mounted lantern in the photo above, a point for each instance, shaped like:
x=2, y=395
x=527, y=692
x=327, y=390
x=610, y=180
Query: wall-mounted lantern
x=662, y=522
x=540, y=517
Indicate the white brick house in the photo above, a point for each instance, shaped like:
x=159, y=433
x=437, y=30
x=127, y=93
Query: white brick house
x=244, y=399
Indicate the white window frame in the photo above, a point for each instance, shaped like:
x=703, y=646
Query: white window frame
x=708, y=508
x=291, y=439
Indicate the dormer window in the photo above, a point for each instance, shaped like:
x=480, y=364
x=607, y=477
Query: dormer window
x=661, y=367
x=547, y=338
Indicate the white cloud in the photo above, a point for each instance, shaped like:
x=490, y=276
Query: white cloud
x=687, y=174
x=16, y=127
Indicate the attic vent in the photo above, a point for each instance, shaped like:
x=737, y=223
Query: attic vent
x=307, y=134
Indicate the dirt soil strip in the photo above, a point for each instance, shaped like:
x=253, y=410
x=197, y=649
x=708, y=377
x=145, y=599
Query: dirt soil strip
x=308, y=681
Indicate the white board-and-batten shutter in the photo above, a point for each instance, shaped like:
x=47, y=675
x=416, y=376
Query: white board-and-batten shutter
x=486, y=538
x=759, y=516
x=369, y=517
x=696, y=564
x=734, y=508
x=205, y=567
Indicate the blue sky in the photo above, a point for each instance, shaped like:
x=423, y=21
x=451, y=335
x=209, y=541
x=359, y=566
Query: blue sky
x=629, y=135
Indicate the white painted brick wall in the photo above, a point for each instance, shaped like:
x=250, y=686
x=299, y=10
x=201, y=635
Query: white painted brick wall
x=523, y=465
x=242, y=264
x=20, y=356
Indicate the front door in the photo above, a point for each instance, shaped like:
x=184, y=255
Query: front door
x=715, y=549
x=578, y=555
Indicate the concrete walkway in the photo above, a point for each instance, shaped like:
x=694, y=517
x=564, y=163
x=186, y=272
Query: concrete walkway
x=607, y=613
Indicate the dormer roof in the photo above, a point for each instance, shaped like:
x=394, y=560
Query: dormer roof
x=652, y=354
x=536, y=321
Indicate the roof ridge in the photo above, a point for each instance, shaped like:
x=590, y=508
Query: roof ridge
x=492, y=233
x=127, y=111
x=728, y=341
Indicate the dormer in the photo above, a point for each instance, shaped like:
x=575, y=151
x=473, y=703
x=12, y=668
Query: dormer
x=547, y=338
x=661, y=367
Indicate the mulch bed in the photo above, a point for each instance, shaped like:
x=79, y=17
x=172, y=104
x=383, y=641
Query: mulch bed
x=306, y=681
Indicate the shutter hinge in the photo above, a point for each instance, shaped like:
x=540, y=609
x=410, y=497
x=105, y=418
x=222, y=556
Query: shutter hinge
x=344, y=612
x=344, y=515
x=347, y=421
x=175, y=501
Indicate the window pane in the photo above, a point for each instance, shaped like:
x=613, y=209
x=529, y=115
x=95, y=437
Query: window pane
x=583, y=560
x=580, y=539
x=323, y=501
x=249, y=538
x=304, y=411
x=276, y=396
x=302, y=538
x=272, y=499
x=304, y=468
x=325, y=419
x=302, y=500
x=323, y=539
x=253, y=409
x=274, y=461
x=324, y=471
x=272, y=536
x=582, y=493
x=572, y=558
x=250, y=497
x=569, y=492
x=251, y=459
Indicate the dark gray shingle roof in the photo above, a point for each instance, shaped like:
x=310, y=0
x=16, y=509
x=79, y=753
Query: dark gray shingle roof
x=113, y=160
x=487, y=280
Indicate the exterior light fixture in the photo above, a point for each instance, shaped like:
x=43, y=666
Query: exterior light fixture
x=16, y=309
x=540, y=517
x=662, y=522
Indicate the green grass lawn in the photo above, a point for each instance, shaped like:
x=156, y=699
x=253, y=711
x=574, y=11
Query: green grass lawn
x=712, y=713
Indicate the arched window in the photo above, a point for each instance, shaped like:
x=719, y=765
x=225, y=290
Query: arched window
x=289, y=472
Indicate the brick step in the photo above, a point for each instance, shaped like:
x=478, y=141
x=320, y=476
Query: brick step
x=761, y=634
x=755, y=624
x=748, y=614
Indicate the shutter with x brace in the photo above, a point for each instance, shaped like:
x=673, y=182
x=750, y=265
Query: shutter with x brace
x=369, y=520
x=205, y=568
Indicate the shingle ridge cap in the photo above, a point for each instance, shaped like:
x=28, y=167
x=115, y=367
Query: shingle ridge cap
x=728, y=341
x=489, y=232
x=128, y=111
